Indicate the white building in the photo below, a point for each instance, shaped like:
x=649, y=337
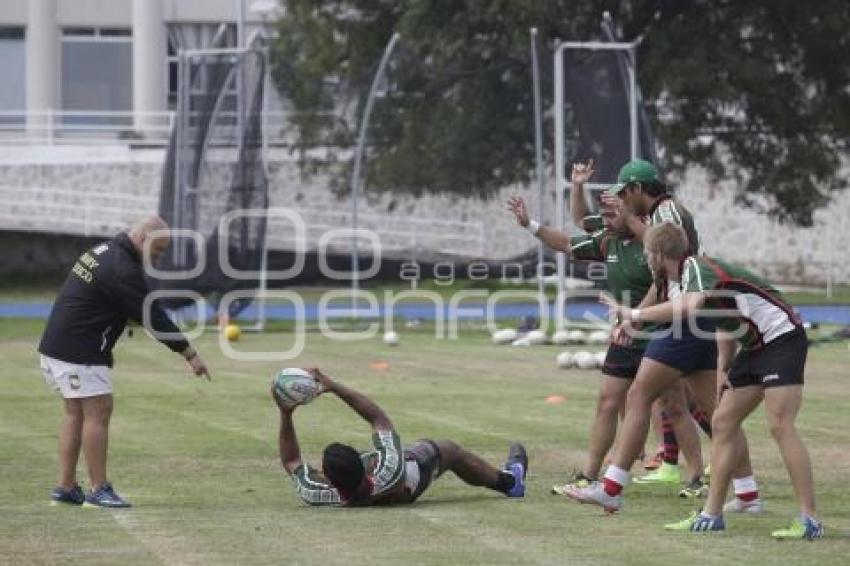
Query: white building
x=106, y=62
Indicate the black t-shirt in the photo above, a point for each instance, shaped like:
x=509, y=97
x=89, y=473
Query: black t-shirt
x=105, y=288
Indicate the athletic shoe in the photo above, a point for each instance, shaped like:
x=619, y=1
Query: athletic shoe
x=807, y=528
x=666, y=473
x=73, y=496
x=105, y=496
x=698, y=522
x=594, y=494
x=578, y=480
x=653, y=462
x=517, y=465
x=736, y=505
x=694, y=490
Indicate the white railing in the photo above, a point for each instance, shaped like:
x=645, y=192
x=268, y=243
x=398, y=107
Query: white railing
x=54, y=127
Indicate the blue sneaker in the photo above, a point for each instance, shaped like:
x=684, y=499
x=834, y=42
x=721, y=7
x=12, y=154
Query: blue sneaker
x=803, y=527
x=517, y=466
x=73, y=496
x=105, y=496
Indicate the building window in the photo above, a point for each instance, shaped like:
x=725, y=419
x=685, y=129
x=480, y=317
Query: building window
x=14, y=64
x=97, y=76
x=193, y=36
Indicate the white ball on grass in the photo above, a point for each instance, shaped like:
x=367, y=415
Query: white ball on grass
x=536, y=337
x=504, y=336
x=565, y=360
x=561, y=338
x=585, y=360
x=598, y=337
x=391, y=338
x=600, y=358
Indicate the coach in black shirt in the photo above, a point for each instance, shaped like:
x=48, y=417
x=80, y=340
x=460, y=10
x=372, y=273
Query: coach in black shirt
x=105, y=288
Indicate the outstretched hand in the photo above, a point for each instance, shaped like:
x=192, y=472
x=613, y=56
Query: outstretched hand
x=517, y=206
x=198, y=367
x=325, y=382
x=615, y=309
x=582, y=172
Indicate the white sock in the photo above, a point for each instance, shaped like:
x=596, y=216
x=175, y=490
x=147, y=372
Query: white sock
x=618, y=475
x=745, y=485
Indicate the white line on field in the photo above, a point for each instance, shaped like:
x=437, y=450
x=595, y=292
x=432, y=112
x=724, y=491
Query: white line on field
x=459, y=423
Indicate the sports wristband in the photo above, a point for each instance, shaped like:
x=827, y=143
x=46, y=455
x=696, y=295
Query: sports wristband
x=533, y=227
x=635, y=315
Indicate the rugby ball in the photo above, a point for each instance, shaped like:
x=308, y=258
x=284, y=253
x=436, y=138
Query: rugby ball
x=598, y=337
x=504, y=336
x=294, y=386
x=600, y=358
x=565, y=360
x=536, y=337
x=585, y=360
x=576, y=337
x=391, y=338
x=561, y=338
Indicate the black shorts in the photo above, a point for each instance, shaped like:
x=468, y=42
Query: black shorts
x=426, y=455
x=621, y=361
x=781, y=362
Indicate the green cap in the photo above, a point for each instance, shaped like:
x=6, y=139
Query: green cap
x=635, y=171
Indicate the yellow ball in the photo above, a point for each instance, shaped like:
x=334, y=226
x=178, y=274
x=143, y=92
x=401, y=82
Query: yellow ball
x=232, y=332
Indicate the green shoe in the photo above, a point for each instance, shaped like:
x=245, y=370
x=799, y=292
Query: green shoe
x=698, y=522
x=579, y=480
x=666, y=473
x=807, y=528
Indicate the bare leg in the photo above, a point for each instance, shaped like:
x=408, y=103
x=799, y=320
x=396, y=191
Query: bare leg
x=469, y=467
x=684, y=427
x=727, y=440
x=96, y=414
x=782, y=405
x=70, y=438
x=652, y=380
x=612, y=395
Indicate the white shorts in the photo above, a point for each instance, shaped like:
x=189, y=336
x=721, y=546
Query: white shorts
x=75, y=381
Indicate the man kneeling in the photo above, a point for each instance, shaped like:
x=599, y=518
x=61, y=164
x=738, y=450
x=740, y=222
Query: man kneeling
x=387, y=474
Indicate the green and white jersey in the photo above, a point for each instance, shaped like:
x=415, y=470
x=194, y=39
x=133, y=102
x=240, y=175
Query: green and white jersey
x=748, y=298
x=384, y=467
x=666, y=209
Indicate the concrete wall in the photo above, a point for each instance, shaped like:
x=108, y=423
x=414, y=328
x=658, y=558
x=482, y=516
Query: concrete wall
x=99, y=191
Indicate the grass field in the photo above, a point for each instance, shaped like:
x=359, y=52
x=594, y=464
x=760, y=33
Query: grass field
x=199, y=461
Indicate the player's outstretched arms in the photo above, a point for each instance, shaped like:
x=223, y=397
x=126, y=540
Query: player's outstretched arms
x=290, y=452
x=362, y=405
x=552, y=238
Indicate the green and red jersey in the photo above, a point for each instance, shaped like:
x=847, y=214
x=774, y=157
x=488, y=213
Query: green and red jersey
x=743, y=295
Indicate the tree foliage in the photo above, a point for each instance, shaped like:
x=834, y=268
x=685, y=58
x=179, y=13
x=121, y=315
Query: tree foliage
x=756, y=90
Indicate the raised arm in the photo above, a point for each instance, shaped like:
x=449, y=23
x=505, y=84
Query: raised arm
x=552, y=238
x=290, y=452
x=578, y=204
x=368, y=410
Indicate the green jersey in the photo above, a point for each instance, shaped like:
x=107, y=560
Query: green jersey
x=747, y=299
x=666, y=209
x=384, y=467
x=629, y=277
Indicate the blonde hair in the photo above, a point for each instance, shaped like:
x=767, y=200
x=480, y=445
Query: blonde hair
x=667, y=240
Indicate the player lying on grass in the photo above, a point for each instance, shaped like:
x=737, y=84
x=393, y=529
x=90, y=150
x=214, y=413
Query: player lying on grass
x=389, y=473
x=629, y=279
x=762, y=349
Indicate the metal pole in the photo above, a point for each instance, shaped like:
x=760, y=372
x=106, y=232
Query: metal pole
x=633, y=127
x=560, y=185
x=538, y=152
x=358, y=162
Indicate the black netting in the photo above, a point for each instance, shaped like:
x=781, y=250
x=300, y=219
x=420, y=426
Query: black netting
x=596, y=98
x=214, y=166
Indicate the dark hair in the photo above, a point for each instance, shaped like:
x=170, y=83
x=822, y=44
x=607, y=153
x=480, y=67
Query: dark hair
x=654, y=188
x=342, y=467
